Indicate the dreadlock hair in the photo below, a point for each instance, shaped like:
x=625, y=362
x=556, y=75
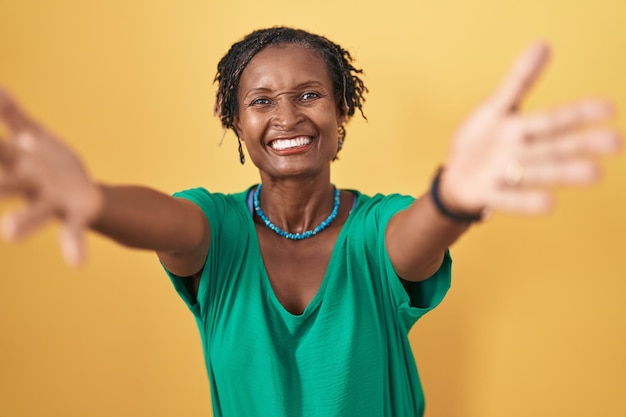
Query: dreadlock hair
x=348, y=88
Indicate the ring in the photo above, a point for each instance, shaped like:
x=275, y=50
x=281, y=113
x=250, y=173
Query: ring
x=513, y=174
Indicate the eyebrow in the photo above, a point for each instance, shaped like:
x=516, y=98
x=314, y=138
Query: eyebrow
x=310, y=83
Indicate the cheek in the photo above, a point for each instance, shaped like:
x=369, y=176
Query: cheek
x=327, y=116
x=251, y=126
x=332, y=123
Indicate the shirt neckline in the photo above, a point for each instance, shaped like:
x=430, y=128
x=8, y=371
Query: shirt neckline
x=267, y=285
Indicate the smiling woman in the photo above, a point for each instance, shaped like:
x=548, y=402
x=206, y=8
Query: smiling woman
x=307, y=287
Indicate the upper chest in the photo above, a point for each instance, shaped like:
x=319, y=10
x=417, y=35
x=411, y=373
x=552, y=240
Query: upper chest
x=296, y=269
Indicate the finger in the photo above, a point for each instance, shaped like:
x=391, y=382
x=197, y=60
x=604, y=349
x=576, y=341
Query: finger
x=527, y=202
x=580, y=171
x=72, y=241
x=520, y=78
x=20, y=224
x=593, y=142
x=13, y=116
x=566, y=118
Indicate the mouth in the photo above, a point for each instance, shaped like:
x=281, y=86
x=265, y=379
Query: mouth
x=291, y=144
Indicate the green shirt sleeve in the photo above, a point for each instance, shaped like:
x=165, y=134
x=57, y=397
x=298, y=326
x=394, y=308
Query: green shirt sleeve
x=213, y=209
x=423, y=296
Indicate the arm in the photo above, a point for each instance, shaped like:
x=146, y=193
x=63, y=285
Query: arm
x=503, y=160
x=143, y=218
x=54, y=184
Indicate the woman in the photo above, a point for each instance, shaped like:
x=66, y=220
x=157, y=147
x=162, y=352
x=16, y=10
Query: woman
x=324, y=283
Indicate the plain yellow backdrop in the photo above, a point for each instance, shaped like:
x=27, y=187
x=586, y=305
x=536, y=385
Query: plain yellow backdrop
x=535, y=323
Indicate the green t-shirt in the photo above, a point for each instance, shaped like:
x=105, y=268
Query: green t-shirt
x=348, y=354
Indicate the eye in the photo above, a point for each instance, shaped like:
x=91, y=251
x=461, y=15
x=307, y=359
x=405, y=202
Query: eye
x=261, y=101
x=309, y=96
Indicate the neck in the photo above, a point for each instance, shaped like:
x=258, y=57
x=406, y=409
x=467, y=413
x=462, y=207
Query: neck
x=297, y=205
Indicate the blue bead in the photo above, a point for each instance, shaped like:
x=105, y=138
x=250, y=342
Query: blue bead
x=295, y=236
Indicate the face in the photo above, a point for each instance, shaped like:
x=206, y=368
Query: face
x=287, y=115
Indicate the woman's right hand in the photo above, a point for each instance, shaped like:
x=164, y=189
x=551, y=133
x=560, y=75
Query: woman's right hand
x=49, y=177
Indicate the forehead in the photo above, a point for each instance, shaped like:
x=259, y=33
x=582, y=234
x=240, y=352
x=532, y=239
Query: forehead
x=280, y=66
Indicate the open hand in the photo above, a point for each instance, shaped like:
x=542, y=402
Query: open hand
x=506, y=160
x=50, y=178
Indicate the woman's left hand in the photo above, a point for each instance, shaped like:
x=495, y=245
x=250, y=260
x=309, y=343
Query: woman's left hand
x=506, y=160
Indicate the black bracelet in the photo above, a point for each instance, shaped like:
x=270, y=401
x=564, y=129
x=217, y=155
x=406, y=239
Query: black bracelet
x=434, y=193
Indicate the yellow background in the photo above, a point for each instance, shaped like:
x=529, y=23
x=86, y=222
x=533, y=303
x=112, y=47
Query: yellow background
x=535, y=324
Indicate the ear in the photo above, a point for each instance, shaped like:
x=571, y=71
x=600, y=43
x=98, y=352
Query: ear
x=341, y=116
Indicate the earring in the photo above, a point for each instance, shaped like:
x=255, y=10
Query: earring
x=242, y=157
x=341, y=135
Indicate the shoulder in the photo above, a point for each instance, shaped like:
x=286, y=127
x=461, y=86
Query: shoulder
x=218, y=207
x=380, y=203
x=370, y=215
x=203, y=195
x=208, y=200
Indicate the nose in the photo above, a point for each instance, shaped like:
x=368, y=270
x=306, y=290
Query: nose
x=286, y=115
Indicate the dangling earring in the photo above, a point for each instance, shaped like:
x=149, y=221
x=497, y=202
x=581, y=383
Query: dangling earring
x=242, y=157
x=341, y=135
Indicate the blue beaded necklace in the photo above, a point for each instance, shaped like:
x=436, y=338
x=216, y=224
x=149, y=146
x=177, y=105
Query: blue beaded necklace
x=295, y=236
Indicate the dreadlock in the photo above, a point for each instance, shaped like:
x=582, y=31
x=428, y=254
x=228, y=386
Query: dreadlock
x=348, y=88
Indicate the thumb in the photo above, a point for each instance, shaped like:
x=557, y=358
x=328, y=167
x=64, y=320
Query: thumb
x=72, y=241
x=520, y=79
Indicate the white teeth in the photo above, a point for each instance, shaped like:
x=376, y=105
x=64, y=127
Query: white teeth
x=282, y=144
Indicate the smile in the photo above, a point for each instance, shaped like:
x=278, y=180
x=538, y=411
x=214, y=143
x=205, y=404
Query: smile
x=284, y=144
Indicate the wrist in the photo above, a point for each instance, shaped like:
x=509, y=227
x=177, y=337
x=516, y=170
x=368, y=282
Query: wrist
x=94, y=203
x=448, y=207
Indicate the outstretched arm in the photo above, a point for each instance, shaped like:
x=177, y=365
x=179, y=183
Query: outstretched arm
x=55, y=185
x=503, y=160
